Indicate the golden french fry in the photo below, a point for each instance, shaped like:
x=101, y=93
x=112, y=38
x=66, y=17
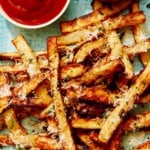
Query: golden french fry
x=12, y=123
x=125, y=105
x=117, y=52
x=63, y=126
x=94, y=17
x=81, y=123
x=139, y=34
x=27, y=55
x=124, y=21
x=16, y=55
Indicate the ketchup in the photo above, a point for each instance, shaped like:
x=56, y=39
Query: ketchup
x=32, y=12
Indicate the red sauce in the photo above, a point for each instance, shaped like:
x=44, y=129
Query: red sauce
x=32, y=12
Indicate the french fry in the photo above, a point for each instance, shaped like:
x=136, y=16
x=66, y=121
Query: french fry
x=16, y=55
x=124, y=21
x=63, y=126
x=27, y=55
x=126, y=104
x=82, y=35
x=117, y=52
x=37, y=141
x=92, y=18
x=80, y=123
x=139, y=34
x=140, y=47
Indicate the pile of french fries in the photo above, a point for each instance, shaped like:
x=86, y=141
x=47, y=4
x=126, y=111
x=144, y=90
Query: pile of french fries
x=82, y=88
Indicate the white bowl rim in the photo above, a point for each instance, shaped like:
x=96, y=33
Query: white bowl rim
x=4, y=14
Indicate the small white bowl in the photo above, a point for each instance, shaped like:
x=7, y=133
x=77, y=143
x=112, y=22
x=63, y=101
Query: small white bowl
x=38, y=25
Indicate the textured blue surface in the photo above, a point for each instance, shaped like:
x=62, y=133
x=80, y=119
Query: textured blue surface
x=37, y=37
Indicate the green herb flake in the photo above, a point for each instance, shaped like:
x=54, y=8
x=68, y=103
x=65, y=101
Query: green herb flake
x=67, y=78
x=12, y=124
x=30, y=60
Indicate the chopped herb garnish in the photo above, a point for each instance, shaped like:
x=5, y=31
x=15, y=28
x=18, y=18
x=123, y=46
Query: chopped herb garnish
x=12, y=124
x=34, y=119
x=122, y=114
x=51, y=111
x=22, y=54
x=116, y=97
x=30, y=60
x=67, y=78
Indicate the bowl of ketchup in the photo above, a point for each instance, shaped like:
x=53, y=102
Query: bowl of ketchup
x=32, y=14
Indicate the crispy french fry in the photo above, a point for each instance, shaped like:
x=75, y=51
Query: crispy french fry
x=139, y=34
x=82, y=35
x=63, y=126
x=126, y=104
x=80, y=123
x=38, y=141
x=124, y=21
x=140, y=47
x=92, y=18
x=117, y=52
x=12, y=123
x=27, y=55
x=16, y=55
